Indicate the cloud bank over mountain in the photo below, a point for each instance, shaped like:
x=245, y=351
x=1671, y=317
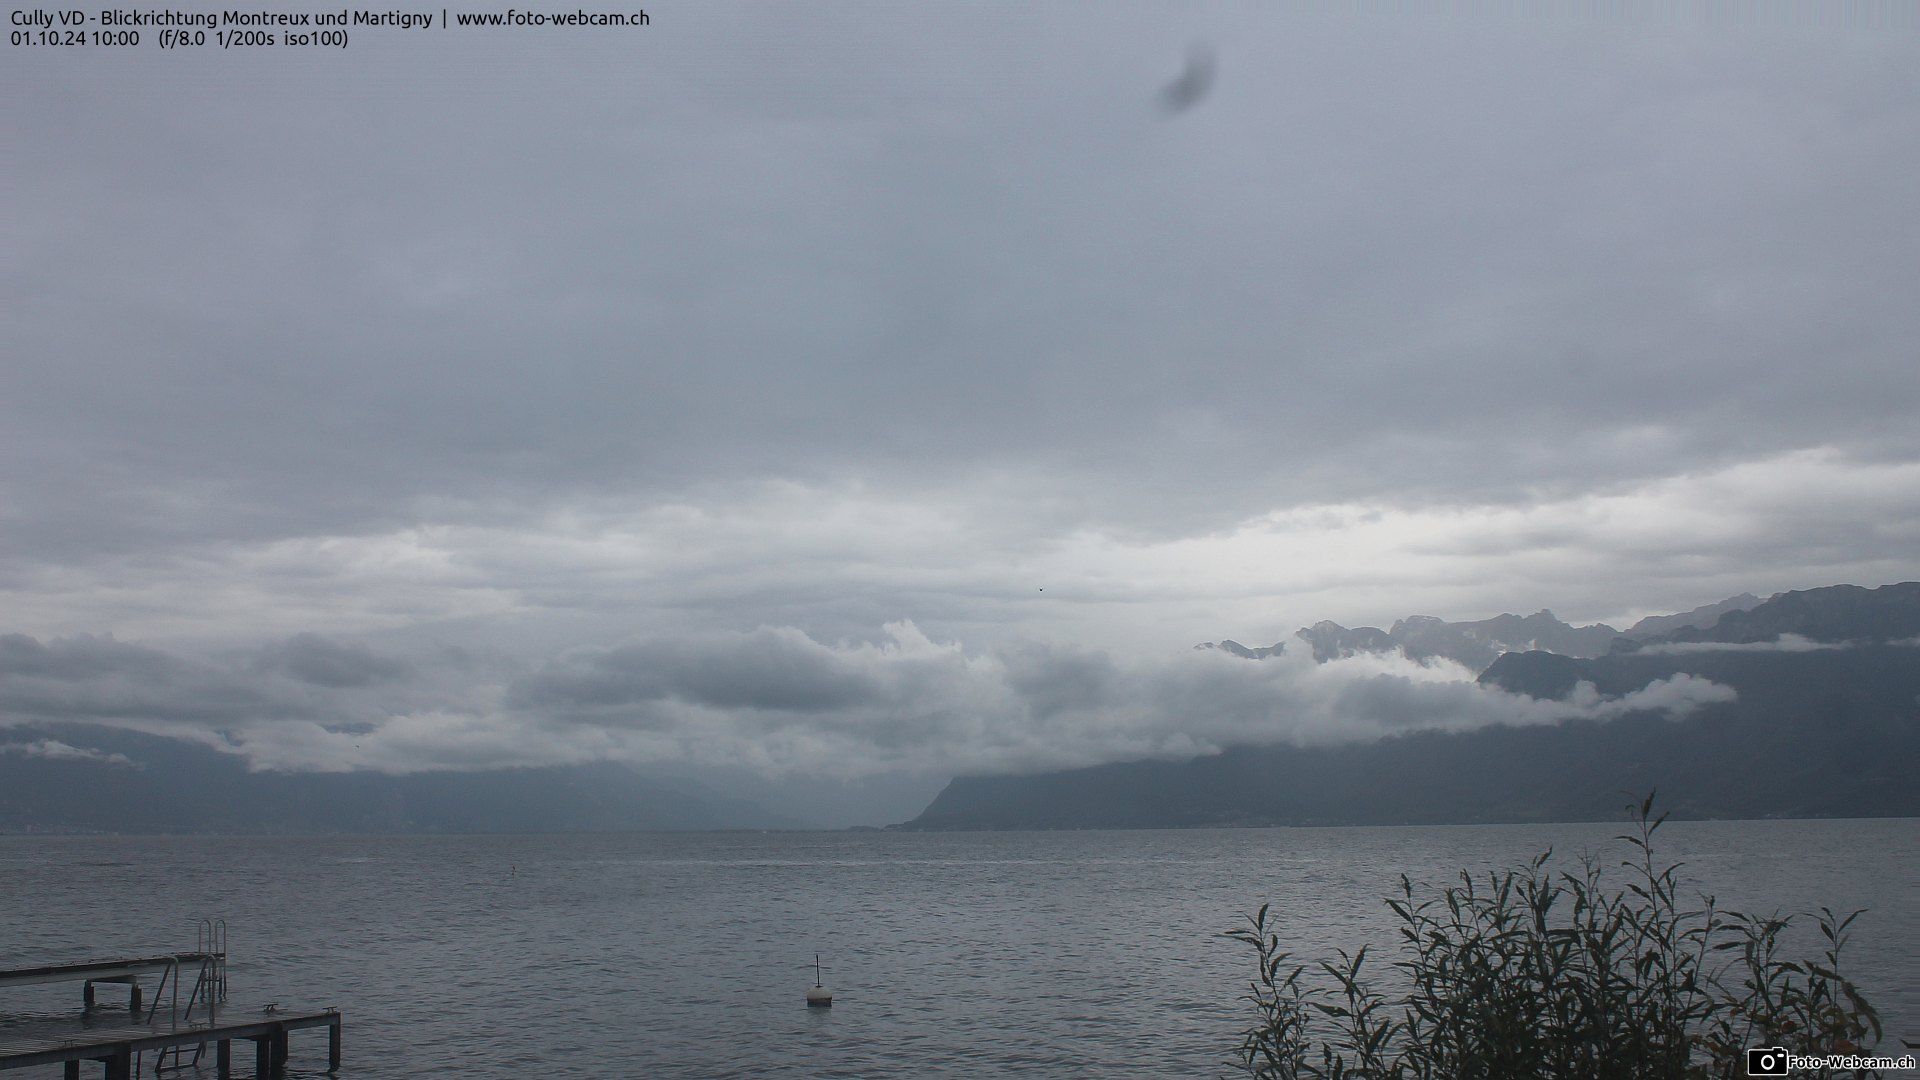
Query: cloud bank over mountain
x=773, y=699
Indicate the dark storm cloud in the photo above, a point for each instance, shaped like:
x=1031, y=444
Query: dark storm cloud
x=767, y=669
x=311, y=658
x=217, y=699
x=99, y=679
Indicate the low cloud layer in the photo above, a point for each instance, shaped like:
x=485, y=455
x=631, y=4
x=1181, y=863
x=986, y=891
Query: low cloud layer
x=1785, y=643
x=55, y=750
x=777, y=701
x=990, y=566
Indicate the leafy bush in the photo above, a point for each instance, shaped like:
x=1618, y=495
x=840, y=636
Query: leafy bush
x=1533, y=972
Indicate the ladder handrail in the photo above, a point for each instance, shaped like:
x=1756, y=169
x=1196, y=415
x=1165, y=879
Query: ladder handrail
x=210, y=938
x=171, y=971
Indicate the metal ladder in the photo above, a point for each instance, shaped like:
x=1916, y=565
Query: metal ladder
x=209, y=989
x=210, y=940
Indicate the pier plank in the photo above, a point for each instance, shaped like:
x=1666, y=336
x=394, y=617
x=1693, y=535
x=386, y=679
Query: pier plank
x=269, y=1029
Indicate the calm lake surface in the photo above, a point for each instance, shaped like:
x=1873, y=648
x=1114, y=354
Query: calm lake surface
x=1068, y=953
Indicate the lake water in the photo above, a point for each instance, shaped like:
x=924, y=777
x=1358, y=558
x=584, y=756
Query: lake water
x=1067, y=953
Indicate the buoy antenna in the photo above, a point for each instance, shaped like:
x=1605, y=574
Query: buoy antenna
x=819, y=997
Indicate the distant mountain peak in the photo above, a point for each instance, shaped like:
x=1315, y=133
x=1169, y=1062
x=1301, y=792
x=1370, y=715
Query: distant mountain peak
x=1701, y=617
x=1228, y=645
x=1474, y=644
x=1836, y=613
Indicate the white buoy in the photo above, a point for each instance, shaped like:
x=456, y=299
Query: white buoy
x=818, y=996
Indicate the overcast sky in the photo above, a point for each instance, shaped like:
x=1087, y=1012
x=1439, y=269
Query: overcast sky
x=892, y=390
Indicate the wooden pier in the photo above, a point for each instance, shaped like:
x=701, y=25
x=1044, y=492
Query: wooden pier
x=178, y=1040
x=117, y=1048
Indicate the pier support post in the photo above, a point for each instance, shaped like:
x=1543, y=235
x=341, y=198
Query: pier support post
x=333, y=1045
x=73, y=1070
x=223, y=1059
x=120, y=1065
x=133, y=999
x=86, y=994
x=263, y=1057
x=280, y=1052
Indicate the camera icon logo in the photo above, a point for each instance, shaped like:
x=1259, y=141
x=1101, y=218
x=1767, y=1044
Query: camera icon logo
x=1767, y=1061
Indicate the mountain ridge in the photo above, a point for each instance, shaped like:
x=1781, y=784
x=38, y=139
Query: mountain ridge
x=1810, y=732
x=1703, y=616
